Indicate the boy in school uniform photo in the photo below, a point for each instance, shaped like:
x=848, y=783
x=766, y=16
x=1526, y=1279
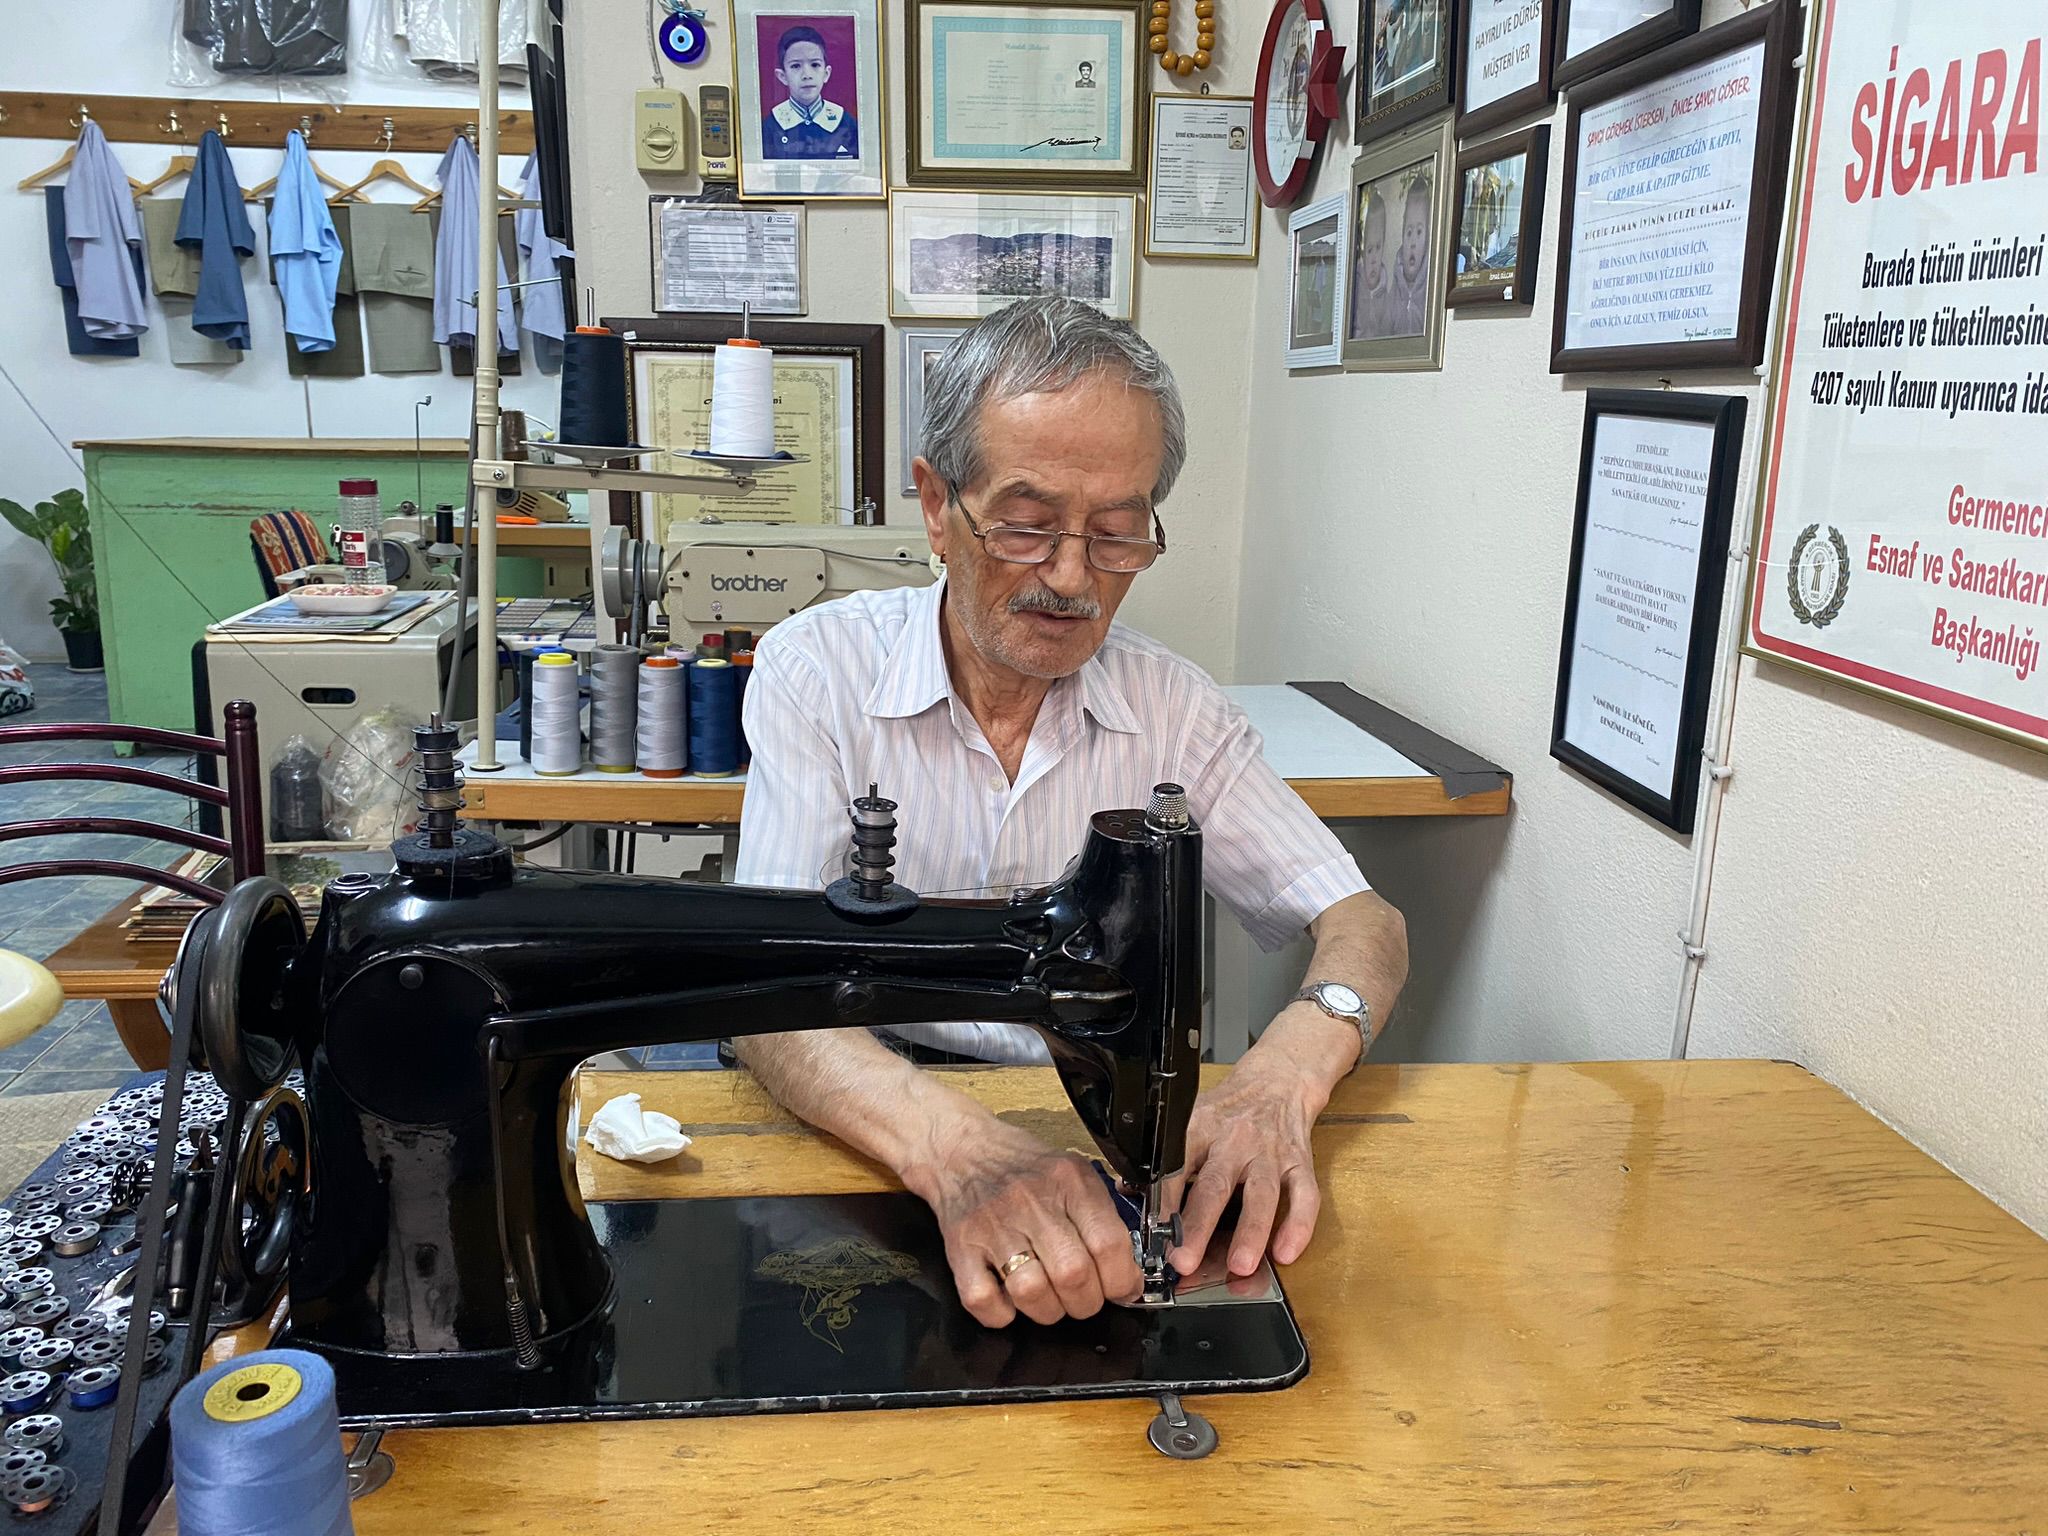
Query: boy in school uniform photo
x=804, y=125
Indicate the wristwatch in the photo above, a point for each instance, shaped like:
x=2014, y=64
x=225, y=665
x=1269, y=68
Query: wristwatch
x=1341, y=1002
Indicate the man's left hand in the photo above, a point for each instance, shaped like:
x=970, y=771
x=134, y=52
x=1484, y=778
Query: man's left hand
x=1251, y=1134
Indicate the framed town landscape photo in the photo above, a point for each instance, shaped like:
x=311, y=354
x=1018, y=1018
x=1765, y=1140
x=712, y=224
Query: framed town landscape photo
x=808, y=101
x=1048, y=94
x=1315, y=284
x=1498, y=229
x=961, y=255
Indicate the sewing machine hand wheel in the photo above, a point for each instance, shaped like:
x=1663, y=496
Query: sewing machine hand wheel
x=269, y=1178
x=256, y=934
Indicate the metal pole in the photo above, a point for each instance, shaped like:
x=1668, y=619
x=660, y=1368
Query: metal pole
x=486, y=440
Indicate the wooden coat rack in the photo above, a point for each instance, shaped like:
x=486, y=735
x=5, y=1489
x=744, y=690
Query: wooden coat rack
x=182, y=119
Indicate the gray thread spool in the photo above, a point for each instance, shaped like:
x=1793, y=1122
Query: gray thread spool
x=557, y=715
x=662, y=715
x=614, y=707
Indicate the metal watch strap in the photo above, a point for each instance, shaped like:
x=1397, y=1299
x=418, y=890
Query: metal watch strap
x=1362, y=1020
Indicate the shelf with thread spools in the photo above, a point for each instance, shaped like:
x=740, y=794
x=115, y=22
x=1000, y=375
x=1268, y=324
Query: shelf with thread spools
x=1160, y=38
x=182, y=119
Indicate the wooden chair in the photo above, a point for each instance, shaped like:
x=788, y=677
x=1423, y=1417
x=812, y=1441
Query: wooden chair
x=241, y=801
x=283, y=542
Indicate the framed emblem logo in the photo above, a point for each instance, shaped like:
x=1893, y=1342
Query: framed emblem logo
x=1817, y=576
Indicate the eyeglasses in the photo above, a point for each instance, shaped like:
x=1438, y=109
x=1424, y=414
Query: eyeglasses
x=1110, y=552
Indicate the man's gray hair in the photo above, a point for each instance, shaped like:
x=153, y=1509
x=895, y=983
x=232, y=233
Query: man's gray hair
x=1033, y=346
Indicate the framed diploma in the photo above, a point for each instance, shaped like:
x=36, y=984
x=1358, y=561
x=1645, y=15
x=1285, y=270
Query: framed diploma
x=1407, y=62
x=1674, y=179
x=712, y=258
x=961, y=255
x=1202, y=198
x=1498, y=229
x=1401, y=207
x=921, y=349
x=1506, y=73
x=828, y=409
x=1315, y=284
x=1048, y=94
x=1642, y=609
x=1594, y=36
x=808, y=99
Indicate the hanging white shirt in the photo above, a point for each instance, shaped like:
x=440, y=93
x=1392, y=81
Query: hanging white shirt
x=103, y=231
x=856, y=691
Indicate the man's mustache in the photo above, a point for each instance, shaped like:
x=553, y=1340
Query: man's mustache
x=1045, y=600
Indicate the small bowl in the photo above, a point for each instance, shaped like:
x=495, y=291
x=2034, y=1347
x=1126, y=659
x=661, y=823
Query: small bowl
x=342, y=599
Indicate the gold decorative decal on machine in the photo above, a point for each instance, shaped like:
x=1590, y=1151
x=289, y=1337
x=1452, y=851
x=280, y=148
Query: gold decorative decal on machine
x=832, y=1275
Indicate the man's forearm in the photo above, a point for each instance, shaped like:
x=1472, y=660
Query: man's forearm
x=1363, y=943
x=847, y=1083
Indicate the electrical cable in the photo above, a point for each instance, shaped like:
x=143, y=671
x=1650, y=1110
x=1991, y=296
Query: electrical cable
x=464, y=585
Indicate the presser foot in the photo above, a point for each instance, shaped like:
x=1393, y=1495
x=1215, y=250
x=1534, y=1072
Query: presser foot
x=1151, y=1242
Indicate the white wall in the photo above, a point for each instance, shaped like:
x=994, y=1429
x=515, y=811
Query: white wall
x=124, y=49
x=1196, y=312
x=1878, y=898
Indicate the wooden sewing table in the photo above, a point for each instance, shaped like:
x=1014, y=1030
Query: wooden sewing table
x=1614, y=1298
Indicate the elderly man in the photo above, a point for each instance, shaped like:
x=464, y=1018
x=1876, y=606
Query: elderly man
x=1002, y=707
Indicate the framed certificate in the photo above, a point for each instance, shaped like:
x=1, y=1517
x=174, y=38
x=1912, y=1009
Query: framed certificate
x=828, y=409
x=1049, y=94
x=808, y=101
x=1642, y=609
x=1202, y=196
x=1315, y=284
x=961, y=255
x=712, y=258
x=1506, y=72
x=1594, y=36
x=1674, y=179
x=1498, y=229
x=1407, y=61
x=1401, y=205
x=921, y=349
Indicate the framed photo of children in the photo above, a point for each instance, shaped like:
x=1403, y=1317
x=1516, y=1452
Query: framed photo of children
x=1642, y=606
x=1048, y=94
x=962, y=255
x=1407, y=61
x=1595, y=35
x=1506, y=73
x=1499, y=219
x=1315, y=284
x=1400, y=251
x=808, y=99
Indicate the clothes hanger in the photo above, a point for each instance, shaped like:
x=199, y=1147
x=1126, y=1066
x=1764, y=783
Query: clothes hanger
x=343, y=192
x=182, y=164
x=63, y=162
x=508, y=200
x=397, y=173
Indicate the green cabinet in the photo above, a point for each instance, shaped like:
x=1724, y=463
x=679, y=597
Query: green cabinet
x=170, y=527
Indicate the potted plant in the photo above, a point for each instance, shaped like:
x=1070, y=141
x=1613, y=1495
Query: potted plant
x=60, y=525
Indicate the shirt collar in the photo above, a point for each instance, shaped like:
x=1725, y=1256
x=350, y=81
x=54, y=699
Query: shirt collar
x=914, y=678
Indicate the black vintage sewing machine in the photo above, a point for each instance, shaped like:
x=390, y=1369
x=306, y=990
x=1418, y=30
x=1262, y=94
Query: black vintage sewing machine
x=445, y=1261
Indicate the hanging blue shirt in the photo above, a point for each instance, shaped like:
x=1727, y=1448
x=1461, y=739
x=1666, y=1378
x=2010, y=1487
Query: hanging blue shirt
x=541, y=314
x=103, y=232
x=213, y=219
x=305, y=250
x=75, y=338
x=455, y=275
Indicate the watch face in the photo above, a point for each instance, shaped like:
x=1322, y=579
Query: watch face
x=1342, y=998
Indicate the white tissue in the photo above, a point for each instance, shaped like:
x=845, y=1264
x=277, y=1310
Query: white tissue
x=622, y=1129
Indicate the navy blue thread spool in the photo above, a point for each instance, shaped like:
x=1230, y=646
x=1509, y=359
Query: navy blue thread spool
x=593, y=388
x=714, y=718
x=256, y=1446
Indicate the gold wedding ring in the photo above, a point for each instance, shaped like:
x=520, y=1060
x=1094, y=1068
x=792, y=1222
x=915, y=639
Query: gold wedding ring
x=1015, y=1262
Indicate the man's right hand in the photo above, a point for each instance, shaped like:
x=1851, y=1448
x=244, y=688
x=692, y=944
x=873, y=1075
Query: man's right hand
x=998, y=1192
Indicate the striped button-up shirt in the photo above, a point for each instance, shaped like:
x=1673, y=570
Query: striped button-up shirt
x=856, y=691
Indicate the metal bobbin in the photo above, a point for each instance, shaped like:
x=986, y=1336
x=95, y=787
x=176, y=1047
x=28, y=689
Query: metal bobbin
x=33, y=1192
x=75, y=1239
x=44, y=1312
x=97, y=1350
x=874, y=838
x=51, y=1355
x=19, y=1463
x=78, y=1326
x=38, y=1432
x=439, y=781
x=99, y=1208
x=34, y=1492
x=37, y=1228
x=18, y=1338
x=21, y=1250
x=93, y=1386
x=25, y=1392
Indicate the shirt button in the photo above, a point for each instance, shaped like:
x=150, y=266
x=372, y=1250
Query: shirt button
x=996, y=782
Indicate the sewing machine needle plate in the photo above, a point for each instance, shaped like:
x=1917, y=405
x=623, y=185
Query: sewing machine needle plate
x=803, y=1303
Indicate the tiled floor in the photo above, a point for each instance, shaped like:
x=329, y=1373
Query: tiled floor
x=78, y=1049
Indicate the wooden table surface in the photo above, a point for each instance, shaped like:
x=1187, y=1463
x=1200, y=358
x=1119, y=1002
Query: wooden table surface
x=100, y=963
x=1615, y=1298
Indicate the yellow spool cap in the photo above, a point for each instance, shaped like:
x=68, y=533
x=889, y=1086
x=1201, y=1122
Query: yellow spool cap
x=253, y=1392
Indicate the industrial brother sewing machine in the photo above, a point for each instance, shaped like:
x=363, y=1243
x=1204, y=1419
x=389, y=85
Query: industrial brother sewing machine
x=445, y=1261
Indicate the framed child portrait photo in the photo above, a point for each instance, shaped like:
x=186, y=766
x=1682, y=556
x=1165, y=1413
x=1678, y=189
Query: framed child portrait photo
x=1402, y=191
x=808, y=100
